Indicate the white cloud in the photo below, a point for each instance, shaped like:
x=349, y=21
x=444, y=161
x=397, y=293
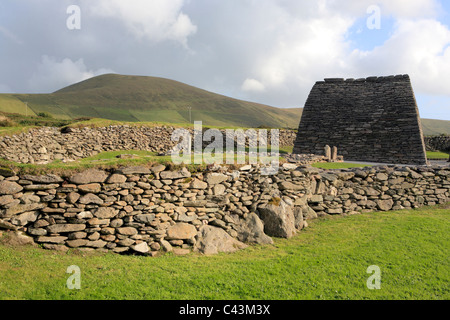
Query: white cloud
x=252, y=85
x=308, y=47
x=52, y=74
x=155, y=20
x=419, y=48
x=304, y=48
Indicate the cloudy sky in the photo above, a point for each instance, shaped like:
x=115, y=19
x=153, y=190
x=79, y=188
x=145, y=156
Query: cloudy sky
x=267, y=51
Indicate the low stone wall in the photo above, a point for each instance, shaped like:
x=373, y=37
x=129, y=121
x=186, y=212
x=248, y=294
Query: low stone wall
x=44, y=145
x=151, y=210
x=437, y=143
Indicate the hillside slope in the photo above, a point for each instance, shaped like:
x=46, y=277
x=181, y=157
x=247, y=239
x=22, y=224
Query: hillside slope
x=139, y=98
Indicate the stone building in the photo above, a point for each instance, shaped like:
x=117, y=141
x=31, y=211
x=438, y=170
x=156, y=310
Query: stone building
x=375, y=119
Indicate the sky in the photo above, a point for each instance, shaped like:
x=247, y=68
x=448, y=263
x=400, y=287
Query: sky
x=266, y=51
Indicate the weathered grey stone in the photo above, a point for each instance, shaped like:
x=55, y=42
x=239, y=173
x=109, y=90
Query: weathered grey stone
x=213, y=178
x=37, y=231
x=286, y=185
x=172, y=175
x=181, y=231
x=4, y=200
x=279, y=220
x=212, y=240
x=127, y=231
x=29, y=198
x=89, y=176
x=298, y=216
x=63, y=228
x=54, y=239
x=198, y=184
x=73, y=197
x=126, y=242
x=6, y=225
x=335, y=211
x=385, y=205
x=44, y=179
x=20, y=208
x=167, y=247
x=141, y=247
x=17, y=239
x=90, y=198
x=251, y=230
x=25, y=218
x=327, y=152
x=145, y=218
x=195, y=203
x=105, y=213
x=9, y=187
x=381, y=176
x=317, y=198
x=133, y=170
x=90, y=188
x=158, y=168
x=219, y=189
x=116, y=178
x=77, y=243
x=96, y=244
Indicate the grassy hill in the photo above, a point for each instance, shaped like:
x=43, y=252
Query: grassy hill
x=139, y=98
x=435, y=127
x=149, y=99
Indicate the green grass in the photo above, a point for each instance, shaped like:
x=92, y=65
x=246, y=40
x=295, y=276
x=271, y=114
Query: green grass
x=328, y=260
x=139, y=98
x=437, y=155
x=338, y=165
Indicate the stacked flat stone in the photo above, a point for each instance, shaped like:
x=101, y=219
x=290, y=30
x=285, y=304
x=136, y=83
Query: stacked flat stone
x=374, y=119
x=153, y=210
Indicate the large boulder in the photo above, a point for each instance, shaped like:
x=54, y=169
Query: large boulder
x=251, y=230
x=212, y=240
x=279, y=219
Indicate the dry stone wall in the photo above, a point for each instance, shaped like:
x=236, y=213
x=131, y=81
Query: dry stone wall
x=437, y=143
x=44, y=145
x=374, y=119
x=153, y=210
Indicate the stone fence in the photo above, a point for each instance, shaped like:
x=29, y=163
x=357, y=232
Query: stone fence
x=44, y=145
x=437, y=143
x=153, y=210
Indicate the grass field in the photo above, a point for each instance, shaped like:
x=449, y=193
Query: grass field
x=328, y=260
x=437, y=155
x=338, y=165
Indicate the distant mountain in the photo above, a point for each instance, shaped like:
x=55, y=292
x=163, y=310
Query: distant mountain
x=433, y=127
x=140, y=98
